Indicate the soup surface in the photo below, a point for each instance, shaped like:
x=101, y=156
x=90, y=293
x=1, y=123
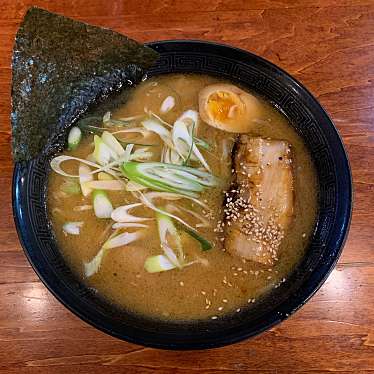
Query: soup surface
x=210, y=283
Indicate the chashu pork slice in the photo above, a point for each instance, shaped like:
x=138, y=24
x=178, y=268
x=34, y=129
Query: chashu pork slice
x=261, y=210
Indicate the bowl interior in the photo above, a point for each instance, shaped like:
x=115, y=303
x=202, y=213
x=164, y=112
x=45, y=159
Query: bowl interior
x=335, y=190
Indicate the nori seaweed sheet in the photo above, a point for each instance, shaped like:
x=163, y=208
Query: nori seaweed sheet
x=61, y=68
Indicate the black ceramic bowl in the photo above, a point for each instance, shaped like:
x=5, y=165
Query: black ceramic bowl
x=335, y=199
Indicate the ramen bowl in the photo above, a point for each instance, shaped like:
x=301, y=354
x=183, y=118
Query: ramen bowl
x=334, y=211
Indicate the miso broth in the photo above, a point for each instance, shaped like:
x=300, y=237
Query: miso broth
x=216, y=282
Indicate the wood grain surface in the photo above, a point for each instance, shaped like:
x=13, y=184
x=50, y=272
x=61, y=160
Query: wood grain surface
x=329, y=46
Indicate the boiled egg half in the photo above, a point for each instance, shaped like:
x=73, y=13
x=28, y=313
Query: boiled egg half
x=228, y=108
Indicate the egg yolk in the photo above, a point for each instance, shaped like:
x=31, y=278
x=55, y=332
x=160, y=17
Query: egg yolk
x=220, y=104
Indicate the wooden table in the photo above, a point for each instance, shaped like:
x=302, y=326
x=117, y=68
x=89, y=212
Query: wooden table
x=326, y=44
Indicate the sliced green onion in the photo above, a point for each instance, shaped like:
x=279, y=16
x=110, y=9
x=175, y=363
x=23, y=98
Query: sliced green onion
x=174, y=196
x=157, y=185
x=141, y=154
x=84, y=177
x=108, y=185
x=112, y=143
x=119, y=122
x=156, y=127
x=121, y=214
x=139, y=130
x=92, y=267
x=170, y=260
x=58, y=160
x=123, y=225
x=102, y=153
x=191, y=147
x=91, y=124
x=199, y=142
x=183, y=141
x=165, y=155
x=175, y=180
x=152, y=114
x=131, y=118
x=170, y=254
x=108, y=120
x=122, y=239
x=171, y=156
x=128, y=150
x=74, y=138
x=92, y=129
x=106, y=117
x=191, y=116
x=135, y=173
x=114, y=241
x=72, y=228
x=175, y=158
x=203, y=221
x=150, y=205
x=163, y=195
x=102, y=206
x=156, y=264
x=202, y=143
x=139, y=144
x=70, y=187
x=159, y=263
x=166, y=227
x=133, y=186
x=167, y=105
x=168, y=177
x=204, y=243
